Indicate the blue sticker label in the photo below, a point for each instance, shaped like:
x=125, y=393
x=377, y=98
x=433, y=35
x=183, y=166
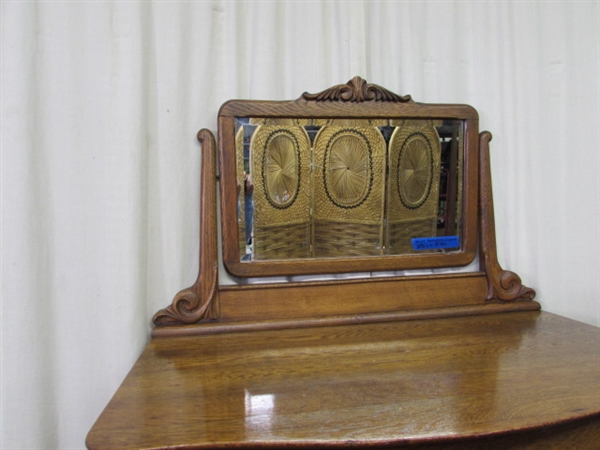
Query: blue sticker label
x=435, y=242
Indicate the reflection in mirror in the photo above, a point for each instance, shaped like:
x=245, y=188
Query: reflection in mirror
x=315, y=188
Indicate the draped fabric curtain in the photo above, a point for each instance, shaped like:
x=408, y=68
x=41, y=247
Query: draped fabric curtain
x=101, y=102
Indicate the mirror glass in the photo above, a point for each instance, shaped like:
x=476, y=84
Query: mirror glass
x=327, y=188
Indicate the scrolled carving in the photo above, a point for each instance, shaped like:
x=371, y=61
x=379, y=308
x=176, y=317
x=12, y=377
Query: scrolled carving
x=512, y=287
x=187, y=307
x=357, y=90
x=503, y=284
x=200, y=302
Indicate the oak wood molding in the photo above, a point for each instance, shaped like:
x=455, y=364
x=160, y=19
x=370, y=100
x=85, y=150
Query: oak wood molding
x=370, y=318
x=502, y=284
x=200, y=301
x=357, y=90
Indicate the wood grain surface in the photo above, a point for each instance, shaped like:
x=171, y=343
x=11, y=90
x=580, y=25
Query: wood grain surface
x=509, y=380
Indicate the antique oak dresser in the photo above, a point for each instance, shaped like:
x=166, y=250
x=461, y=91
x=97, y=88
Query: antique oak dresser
x=369, y=308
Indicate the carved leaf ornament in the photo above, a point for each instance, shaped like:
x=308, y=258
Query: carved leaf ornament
x=357, y=90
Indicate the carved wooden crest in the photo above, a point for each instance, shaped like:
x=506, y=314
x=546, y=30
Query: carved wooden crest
x=357, y=90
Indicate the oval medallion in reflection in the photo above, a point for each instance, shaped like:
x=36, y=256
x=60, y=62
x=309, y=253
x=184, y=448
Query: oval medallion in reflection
x=281, y=171
x=415, y=171
x=348, y=169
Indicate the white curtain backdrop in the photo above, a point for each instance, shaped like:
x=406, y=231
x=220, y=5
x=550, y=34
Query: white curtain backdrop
x=101, y=102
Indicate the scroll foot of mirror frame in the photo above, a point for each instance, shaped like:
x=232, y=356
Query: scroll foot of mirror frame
x=503, y=284
x=200, y=301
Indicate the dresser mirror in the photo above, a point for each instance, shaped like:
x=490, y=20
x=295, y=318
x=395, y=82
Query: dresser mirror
x=331, y=188
x=352, y=180
x=331, y=184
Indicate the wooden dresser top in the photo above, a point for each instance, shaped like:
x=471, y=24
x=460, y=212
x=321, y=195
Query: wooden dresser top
x=405, y=382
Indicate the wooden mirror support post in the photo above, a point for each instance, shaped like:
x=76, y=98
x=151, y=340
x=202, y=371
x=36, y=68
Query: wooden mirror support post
x=503, y=285
x=200, y=302
x=333, y=361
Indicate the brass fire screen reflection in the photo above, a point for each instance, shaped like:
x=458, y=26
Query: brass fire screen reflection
x=338, y=188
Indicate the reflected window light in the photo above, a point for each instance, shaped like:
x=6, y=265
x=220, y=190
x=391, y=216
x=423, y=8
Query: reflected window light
x=259, y=410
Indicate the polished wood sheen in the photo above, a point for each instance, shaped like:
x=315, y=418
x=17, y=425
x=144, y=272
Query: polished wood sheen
x=514, y=380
